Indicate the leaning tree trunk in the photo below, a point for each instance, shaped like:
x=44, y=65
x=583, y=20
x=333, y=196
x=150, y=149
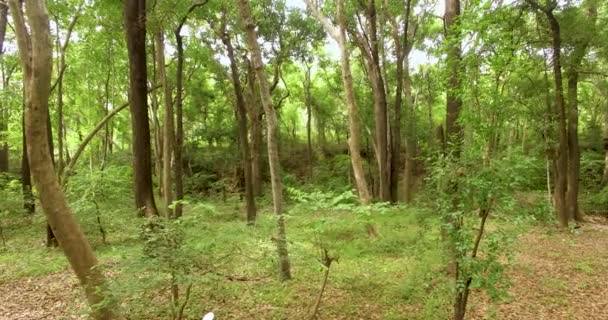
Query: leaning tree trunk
x=135, y=21
x=272, y=141
x=168, y=132
x=36, y=57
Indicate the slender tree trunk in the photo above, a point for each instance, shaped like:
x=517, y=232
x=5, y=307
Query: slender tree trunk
x=168, y=132
x=241, y=113
x=272, y=130
x=255, y=117
x=380, y=104
x=454, y=138
x=605, y=142
x=354, y=127
x=410, y=140
x=60, y=66
x=29, y=203
x=4, y=159
x=135, y=18
x=61, y=50
x=36, y=56
x=107, y=137
x=158, y=139
x=574, y=159
x=396, y=145
x=454, y=131
x=308, y=102
x=179, y=122
x=562, y=158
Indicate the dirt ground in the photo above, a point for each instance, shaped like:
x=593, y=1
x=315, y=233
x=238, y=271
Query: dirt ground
x=556, y=275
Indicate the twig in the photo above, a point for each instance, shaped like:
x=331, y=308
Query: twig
x=326, y=260
x=180, y=313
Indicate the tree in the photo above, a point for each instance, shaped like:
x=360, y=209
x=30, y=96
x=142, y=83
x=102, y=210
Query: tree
x=271, y=136
x=135, y=22
x=581, y=44
x=35, y=50
x=179, y=110
x=3, y=114
x=561, y=181
x=338, y=33
x=168, y=132
x=370, y=46
x=241, y=114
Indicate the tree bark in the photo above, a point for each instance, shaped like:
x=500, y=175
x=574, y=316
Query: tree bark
x=135, y=19
x=255, y=117
x=561, y=180
x=338, y=33
x=179, y=122
x=29, y=203
x=308, y=103
x=36, y=57
x=454, y=131
x=574, y=158
x=4, y=159
x=272, y=130
x=241, y=112
x=168, y=131
x=369, y=46
x=62, y=48
x=410, y=140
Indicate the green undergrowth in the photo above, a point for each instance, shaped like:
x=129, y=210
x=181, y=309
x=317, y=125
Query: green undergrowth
x=389, y=260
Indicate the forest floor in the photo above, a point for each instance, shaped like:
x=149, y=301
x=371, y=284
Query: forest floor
x=555, y=275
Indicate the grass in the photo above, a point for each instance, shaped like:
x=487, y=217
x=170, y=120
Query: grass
x=393, y=271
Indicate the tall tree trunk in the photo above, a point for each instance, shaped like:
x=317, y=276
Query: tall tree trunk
x=454, y=137
x=561, y=180
x=354, y=127
x=402, y=48
x=36, y=57
x=60, y=66
x=135, y=21
x=62, y=48
x=179, y=122
x=255, y=117
x=168, y=132
x=272, y=130
x=241, y=113
x=410, y=140
x=308, y=102
x=4, y=159
x=380, y=105
x=605, y=143
x=454, y=132
x=574, y=158
x=179, y=112
x=107, y=136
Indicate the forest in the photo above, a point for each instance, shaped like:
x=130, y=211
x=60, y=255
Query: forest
x=304, y=159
